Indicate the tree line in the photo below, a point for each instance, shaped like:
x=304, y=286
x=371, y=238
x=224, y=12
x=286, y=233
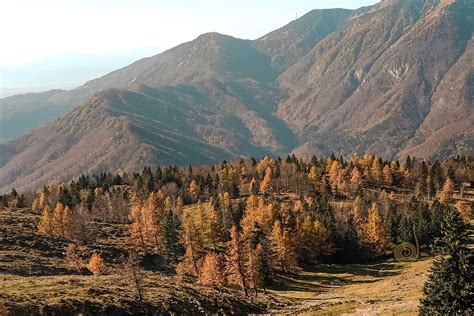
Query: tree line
x=242, y=223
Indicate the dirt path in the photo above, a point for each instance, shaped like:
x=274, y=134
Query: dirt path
x=388, y=288
x=383, y=288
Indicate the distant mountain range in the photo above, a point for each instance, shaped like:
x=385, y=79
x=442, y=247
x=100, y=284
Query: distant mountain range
x=394, y=79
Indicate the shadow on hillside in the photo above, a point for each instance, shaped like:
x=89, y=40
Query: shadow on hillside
x=320, y=278
x=377, y=269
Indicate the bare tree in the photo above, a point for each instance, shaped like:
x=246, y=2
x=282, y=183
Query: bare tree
x=134, y=273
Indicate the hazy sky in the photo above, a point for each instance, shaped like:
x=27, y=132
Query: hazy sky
x=33, y=30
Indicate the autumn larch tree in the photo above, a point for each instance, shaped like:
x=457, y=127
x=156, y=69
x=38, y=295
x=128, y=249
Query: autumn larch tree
x=313, y=176
x=307, y=244
x=210, y=227
x=446, y=195
x=358, y=215
x=137, y=225
x=211, y=273
x=96, y=265
x=152, y=215
x=193, y=245
x=375, y=230
x=72, y=257
x=67, y=222
x=324, y=246
x=376, y=171
x=356, y=180
x=194, y=190
x=387, y=175
x=226, y=215
x=265, y=185
x=464, y=209
x=45, y=223
x=235, y=261
x=258, y=268
x=57, y=221
x=283, y=247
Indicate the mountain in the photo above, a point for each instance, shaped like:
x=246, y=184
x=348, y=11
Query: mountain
x=384, y=85
x=203, y=101
x=20, y=113
x=291, y=42
x=394, y=79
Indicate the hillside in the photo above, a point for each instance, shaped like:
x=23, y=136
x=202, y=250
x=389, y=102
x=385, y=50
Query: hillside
x=330, y=236
x=380, y=85
x=42, y=281
x=394, y=79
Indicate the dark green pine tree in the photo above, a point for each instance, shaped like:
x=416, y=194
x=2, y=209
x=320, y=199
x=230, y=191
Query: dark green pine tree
x=349, y=248
x=171, y=243
x=450, y=289
x=4, y=200
x=265, y=269
x=20, y=201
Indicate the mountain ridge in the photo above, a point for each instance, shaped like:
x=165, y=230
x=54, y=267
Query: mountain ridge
x=377, y=79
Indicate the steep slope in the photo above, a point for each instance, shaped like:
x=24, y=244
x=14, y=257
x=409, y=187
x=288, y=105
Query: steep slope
x=370, y=87
x=24, y=112
x=205, y=100
x=448, y=126
x=210, y=56
x=291, y=42
x=122, y=130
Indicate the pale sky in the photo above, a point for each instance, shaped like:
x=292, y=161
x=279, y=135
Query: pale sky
x=35, y=30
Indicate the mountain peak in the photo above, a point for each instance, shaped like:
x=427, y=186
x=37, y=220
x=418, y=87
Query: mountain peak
x=392, y=79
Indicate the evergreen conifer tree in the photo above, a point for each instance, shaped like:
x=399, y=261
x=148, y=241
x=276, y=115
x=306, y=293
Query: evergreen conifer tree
x=450, y=286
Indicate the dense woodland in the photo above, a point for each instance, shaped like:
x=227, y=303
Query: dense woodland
x=241, y=223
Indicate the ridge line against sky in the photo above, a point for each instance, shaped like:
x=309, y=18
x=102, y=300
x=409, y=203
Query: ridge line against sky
x=64, y=43
x=45, y=28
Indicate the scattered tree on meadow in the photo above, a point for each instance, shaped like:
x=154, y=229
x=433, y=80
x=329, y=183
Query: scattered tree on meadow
x=72, y=257
x=96, y=265
x=134, y=273
x=137, y=231
x=59, y=222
